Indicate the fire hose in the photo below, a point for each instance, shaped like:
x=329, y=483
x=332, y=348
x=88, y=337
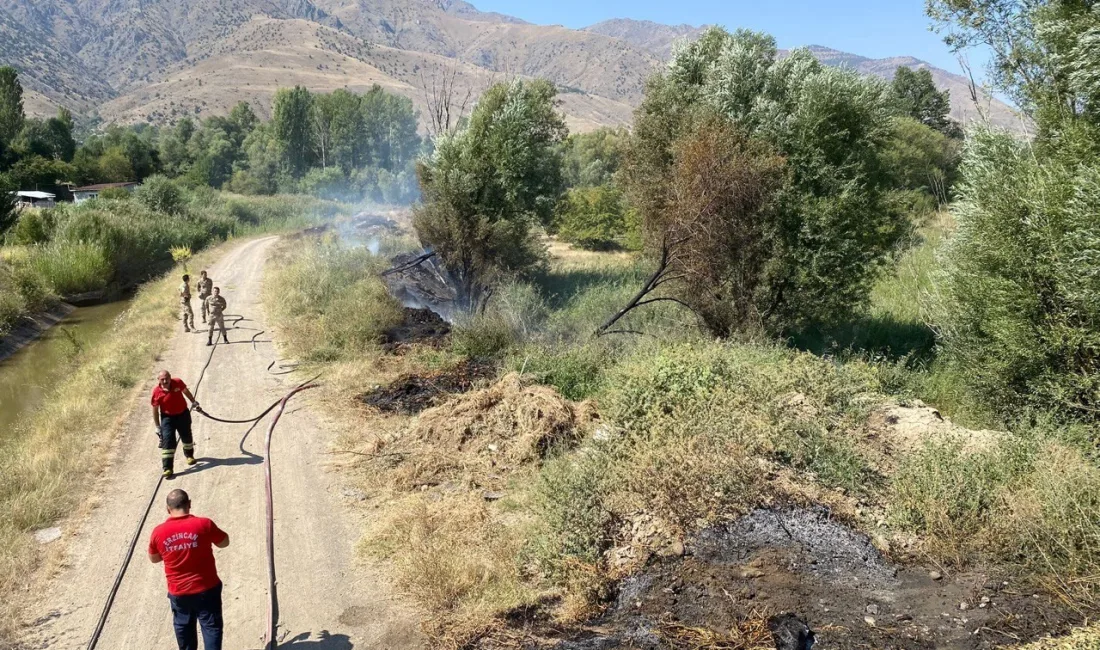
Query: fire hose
x=273, y=603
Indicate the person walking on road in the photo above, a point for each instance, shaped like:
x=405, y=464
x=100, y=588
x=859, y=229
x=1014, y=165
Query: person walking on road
x=215, y=304
x=171, y=416
x=206, y=287
x=184, y=544
x=186, y=314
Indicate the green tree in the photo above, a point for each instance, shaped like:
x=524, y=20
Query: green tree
x=1044, y=53
x=114, y=166
x=390, y=123
x=8, y=214
x=265, y=160
x=291, y=127
x=38, y=173
x=161, y=194
x=243, y=119
x=11, y=104
x=592, y=217
x=173, y=147
x=591, y=159
x=835, y=222
x=487, y=187
x=922, y=159
x=915, y=95
x=52, y=138
x=1019, y=302
x=1022, y=317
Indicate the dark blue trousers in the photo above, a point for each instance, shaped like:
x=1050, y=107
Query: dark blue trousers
x=204, y=610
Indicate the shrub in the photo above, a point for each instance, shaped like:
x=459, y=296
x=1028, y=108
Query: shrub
x=330, y=184
x=161, y=194
x=592, y=218
x=1021, y=314
x=483, y=336
x=33, y=227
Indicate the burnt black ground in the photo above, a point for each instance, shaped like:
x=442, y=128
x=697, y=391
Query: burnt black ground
x=804, y=563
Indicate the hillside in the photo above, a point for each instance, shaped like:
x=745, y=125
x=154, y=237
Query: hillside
x=156, y=60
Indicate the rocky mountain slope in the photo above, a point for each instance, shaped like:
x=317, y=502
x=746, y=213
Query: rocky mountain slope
x=156, y=60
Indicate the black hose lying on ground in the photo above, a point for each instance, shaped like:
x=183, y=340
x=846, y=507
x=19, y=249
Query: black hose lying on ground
x=273, y=605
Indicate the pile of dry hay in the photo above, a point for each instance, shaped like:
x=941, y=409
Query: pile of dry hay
x=482, y=436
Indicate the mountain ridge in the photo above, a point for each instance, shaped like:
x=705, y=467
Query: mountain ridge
x=156, y=60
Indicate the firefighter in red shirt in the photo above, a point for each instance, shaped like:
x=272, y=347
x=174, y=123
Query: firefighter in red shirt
x=184, y=544
x=171, y=416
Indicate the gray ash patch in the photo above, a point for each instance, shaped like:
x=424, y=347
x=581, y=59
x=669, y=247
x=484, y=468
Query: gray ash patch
x=816, y=545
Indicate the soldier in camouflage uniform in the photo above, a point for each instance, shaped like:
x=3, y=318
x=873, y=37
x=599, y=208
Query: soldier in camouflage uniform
x=215, y=305
x=206, y=287
x=186, y=314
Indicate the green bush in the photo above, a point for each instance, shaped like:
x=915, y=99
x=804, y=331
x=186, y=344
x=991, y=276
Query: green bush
x=136, y=240
x=1021, y=309
x=593, y=218
x=160, y=194
x=576, y=371
x=483, y=336
x=33, y=227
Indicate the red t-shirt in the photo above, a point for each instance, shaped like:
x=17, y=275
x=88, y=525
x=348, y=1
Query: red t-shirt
x=171, y=402
x=186, y=544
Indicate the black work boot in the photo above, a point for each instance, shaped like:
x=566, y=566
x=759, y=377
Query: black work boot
x=210, y=340
x=225, y=339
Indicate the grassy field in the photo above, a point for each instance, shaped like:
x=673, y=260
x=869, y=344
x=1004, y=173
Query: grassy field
x=688, y=430
x=117, y=244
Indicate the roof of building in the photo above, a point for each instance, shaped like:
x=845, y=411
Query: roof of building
x=41, y=196
x=103, y=186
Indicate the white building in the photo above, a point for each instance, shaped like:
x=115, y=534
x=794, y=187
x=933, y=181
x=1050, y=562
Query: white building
x=28, y=199
x=89, y=192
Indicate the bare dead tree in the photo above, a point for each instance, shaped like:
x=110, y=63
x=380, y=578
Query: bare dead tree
x=446, y=103
x=975, y=91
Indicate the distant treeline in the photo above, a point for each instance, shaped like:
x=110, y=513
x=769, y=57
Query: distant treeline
x=341, y=145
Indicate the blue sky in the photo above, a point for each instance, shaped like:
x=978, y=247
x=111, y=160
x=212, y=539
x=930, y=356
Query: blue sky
x=871, y=28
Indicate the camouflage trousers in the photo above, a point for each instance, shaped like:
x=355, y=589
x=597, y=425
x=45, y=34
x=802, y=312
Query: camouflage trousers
x=187, y=315
x=219, y=321
x=203, y=308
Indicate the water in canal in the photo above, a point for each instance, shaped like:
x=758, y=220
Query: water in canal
x=27, y=376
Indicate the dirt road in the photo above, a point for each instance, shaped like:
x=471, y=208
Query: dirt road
x=327, y=601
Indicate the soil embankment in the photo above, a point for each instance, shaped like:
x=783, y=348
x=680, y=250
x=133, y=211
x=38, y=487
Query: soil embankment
x=326, y=601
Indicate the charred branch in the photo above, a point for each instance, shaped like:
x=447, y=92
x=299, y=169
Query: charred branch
x=659, y=277
x=416, y=261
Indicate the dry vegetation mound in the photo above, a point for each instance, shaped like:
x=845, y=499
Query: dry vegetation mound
x=480, y=438
x=515, y=420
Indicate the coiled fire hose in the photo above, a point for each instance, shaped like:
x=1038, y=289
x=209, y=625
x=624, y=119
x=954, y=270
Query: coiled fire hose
x=273, y=603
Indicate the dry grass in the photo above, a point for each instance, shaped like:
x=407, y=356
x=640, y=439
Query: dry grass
x=750, y=634
x=42, y=466
x=1087, y=638
x=452, y=555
